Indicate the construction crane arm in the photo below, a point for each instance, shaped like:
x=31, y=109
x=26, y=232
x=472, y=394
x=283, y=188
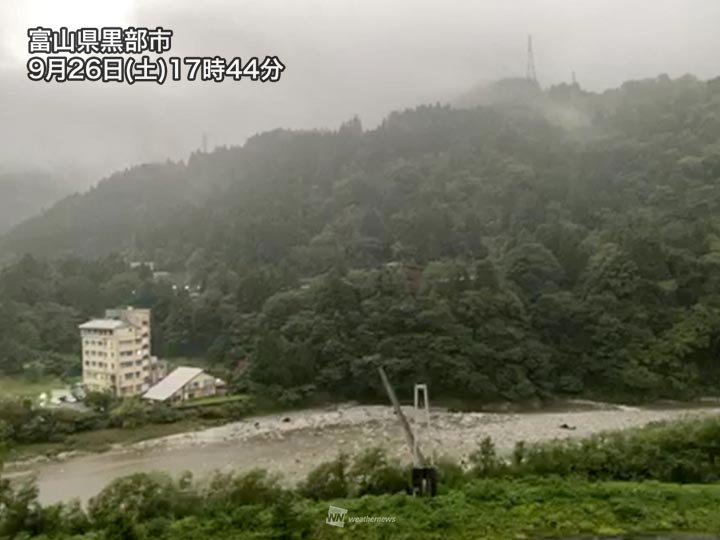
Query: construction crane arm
x=418, y=459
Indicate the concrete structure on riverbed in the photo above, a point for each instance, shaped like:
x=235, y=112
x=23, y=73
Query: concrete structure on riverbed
x=116, y=353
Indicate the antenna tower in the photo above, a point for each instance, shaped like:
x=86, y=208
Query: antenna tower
x=530, y=74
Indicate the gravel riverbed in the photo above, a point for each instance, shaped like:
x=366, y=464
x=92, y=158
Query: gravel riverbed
x=292, y=443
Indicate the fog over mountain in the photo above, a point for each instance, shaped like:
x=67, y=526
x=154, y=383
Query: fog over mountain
x=343, y=57
x=23, y=195
x=218, y=300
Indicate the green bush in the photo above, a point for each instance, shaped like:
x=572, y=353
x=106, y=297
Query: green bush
x=231, y=490
x=139, y=497
x=327, y=480
x=450, y=473
x=373, y=473
x=20, y=511
x=485, y=461
x=131, y=413
x=686, y=451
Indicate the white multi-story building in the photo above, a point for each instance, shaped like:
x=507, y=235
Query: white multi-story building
x=116, y=353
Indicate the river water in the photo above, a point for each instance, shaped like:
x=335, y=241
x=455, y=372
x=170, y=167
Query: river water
x=295, y=442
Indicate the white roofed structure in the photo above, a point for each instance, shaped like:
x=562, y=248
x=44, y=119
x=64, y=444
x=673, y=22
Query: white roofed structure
x=182, y=384
x=102, y=324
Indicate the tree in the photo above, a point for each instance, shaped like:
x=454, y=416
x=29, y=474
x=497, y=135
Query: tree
x=99, y=401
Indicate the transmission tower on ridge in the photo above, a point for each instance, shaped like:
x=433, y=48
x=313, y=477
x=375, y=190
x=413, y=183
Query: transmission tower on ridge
x=530, y=75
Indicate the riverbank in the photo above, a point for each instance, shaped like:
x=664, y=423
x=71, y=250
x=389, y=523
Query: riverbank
x=101, y=440
x=107, y=439
x=295, y=442
x=618, y=487
x=38, y=432
x=534, y=508
x=494, y=509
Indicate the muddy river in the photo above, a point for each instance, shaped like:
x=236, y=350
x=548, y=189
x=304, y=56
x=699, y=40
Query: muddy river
x=293, y=443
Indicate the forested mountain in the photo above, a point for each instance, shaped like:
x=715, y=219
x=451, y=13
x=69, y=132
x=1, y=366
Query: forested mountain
x=25, y=194
x=564, y=244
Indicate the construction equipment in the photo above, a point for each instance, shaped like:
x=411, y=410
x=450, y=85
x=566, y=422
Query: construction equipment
x=424, y=474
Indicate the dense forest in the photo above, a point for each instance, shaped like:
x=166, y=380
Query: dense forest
x=566, y=243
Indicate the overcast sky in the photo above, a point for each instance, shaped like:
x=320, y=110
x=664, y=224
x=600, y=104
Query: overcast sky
x=343, y=57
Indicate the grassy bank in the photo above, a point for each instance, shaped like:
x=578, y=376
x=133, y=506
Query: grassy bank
x=102, y=440
x=527, y=508
x=552, y=490
x=128, y=423
x=251, y=506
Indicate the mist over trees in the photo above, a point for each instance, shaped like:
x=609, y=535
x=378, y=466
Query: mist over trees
x=23, y=195
x=561, y=244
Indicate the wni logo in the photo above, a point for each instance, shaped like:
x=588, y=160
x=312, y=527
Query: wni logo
x=336, y=516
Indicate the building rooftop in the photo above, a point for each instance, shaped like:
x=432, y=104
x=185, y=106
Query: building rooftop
x=172, y=383
x=102, y=324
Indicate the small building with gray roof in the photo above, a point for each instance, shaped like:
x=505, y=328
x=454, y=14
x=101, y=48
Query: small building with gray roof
x=182, y=384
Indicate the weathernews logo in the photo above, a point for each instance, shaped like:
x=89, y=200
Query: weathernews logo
x=336, y=516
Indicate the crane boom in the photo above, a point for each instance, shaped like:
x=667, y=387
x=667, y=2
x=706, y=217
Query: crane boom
x=418, y=459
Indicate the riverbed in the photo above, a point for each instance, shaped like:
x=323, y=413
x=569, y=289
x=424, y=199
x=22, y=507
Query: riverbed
x=293, y=443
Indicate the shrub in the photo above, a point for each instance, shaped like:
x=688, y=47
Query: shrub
x=485, y=461
x=99, y=401
x=450, y=473
x=327, y=480
x=130, y=413
x=254, y=487
x=687, y=451
x=373, y=473
x=138, y=497
x=286, y=521
x=20, y=511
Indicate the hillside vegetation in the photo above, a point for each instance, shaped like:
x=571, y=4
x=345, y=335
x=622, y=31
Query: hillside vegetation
x=497, y=252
